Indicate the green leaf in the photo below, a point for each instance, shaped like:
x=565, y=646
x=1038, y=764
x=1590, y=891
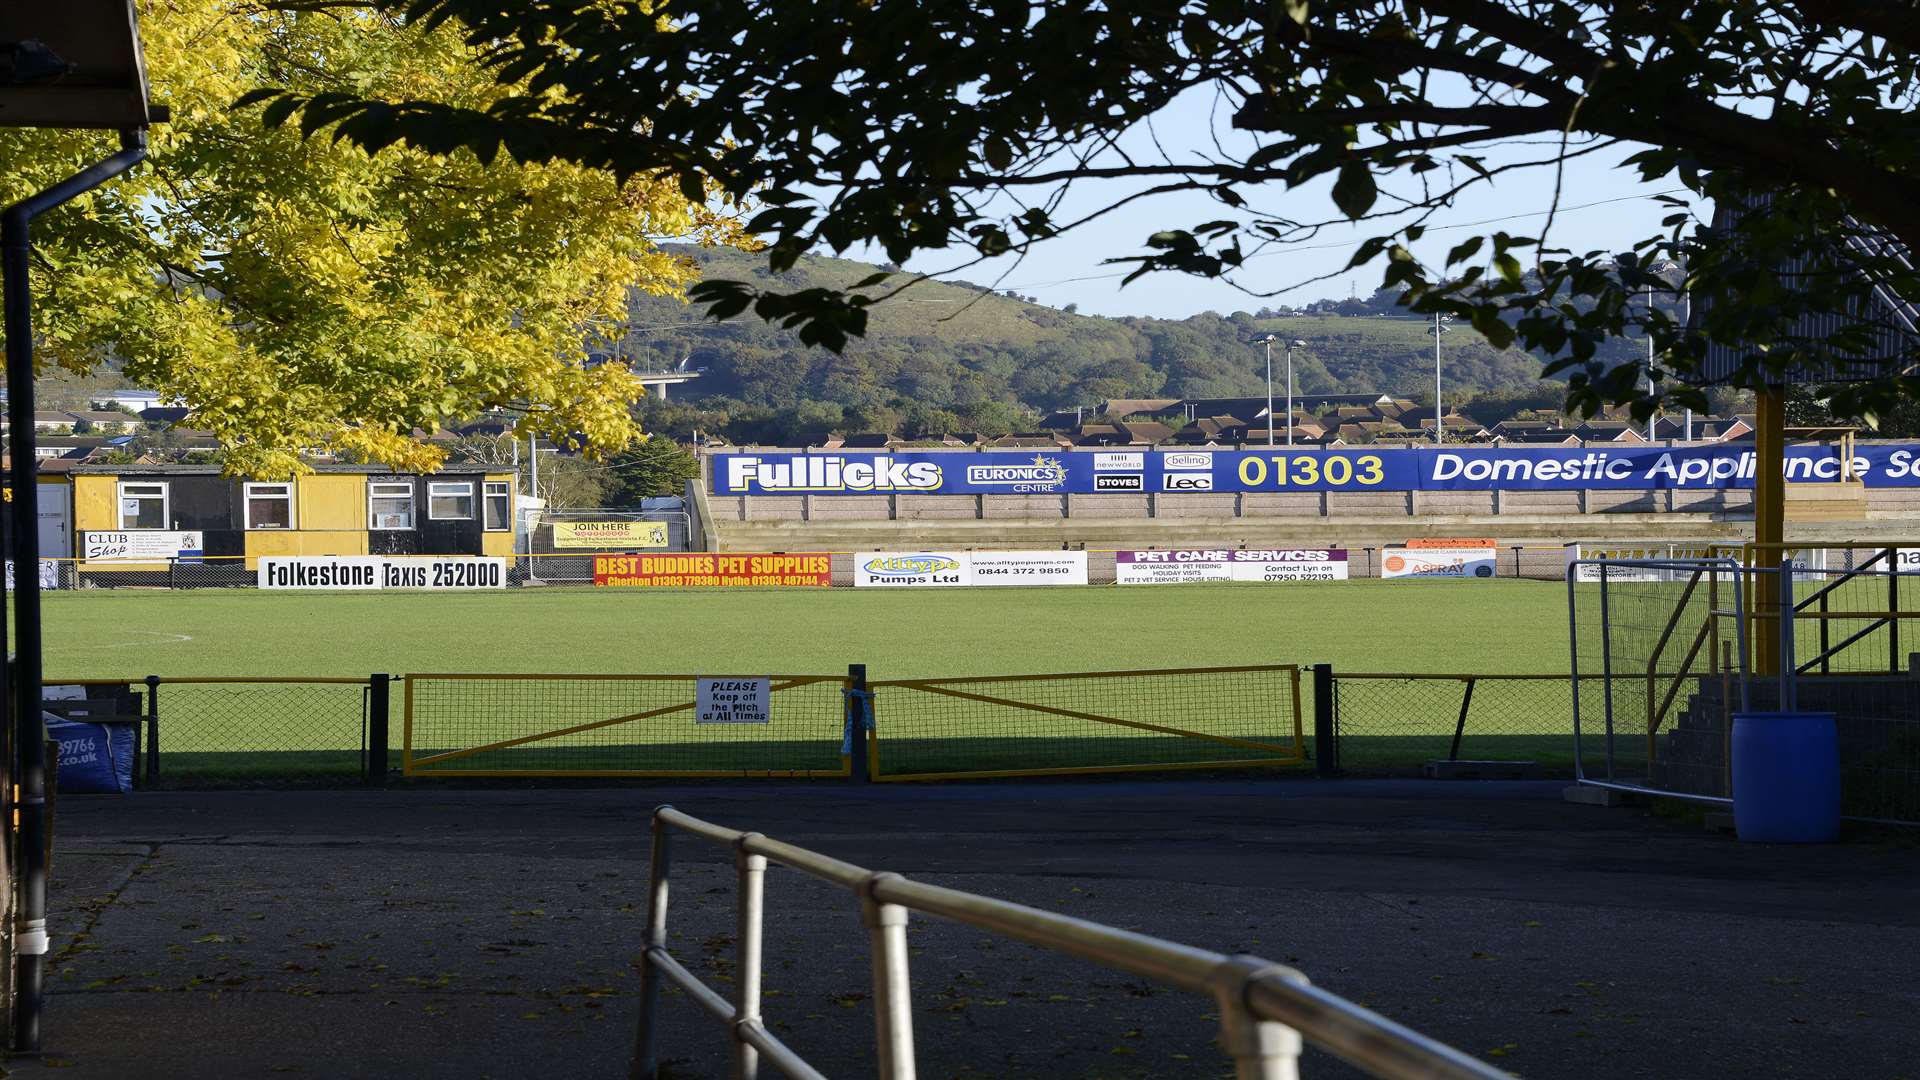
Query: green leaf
x=1354, y=190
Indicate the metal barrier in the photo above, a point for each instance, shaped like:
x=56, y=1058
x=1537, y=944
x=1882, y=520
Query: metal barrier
x=1086, y=722
x=613, y=726
x=1265, y=1008
x=1680, y=647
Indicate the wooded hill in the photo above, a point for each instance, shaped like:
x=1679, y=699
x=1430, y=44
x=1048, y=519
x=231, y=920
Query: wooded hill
x=950, y=356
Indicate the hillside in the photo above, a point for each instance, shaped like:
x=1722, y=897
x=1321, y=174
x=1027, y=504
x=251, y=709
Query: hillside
x=950, y=357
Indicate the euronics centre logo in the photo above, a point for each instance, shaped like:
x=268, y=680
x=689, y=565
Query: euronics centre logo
x=1040, y=474
x=829, y=472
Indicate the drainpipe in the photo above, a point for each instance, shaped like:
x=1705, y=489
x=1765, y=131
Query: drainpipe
x=29, y=734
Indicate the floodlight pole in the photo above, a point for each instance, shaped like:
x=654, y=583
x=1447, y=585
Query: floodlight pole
x=29, y=733
x=1290, y=345
x=1439, y=428
x=1269, y=341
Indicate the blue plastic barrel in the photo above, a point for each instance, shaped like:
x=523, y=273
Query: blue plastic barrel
x=1786, y=777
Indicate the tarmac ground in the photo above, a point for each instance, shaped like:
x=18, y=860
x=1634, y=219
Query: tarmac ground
x=428, y=932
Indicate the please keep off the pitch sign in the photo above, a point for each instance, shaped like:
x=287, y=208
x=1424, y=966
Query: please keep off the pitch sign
x=732, y=701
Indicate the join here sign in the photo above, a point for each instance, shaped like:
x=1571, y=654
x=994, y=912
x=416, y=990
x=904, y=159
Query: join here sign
x=1721, y=466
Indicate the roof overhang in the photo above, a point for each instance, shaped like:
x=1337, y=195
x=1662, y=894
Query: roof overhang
x=72, y=64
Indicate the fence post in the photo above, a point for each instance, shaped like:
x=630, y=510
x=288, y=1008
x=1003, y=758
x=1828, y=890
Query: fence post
x=379, y=697
x=1326, y=744
x=153, y=727
x=859, y=707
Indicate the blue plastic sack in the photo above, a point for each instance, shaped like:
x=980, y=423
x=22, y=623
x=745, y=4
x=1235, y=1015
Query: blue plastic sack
x=95, y=759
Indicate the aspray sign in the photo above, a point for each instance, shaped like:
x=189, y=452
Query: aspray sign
x=1464, y=563
x=733, y=700
x=1200, y=564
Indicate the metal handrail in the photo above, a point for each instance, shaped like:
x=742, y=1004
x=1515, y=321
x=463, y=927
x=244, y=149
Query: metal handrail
x=1265, y=1008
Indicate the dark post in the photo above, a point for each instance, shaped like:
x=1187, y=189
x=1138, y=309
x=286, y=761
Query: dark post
x=153, y=728
x=1894, y=666
x=859, y=710
x=1460, y=725
x=1326, y=745
x=378, y=698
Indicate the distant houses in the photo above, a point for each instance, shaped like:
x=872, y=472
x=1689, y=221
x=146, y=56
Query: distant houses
x=1316, y=420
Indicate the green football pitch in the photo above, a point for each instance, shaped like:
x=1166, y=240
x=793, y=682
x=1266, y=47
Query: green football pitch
x=1480, y=627
x=1490, y=627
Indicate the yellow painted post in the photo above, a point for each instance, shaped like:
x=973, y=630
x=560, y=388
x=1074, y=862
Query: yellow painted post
x=1769, y=524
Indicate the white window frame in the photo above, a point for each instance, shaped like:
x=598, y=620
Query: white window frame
x=374, y=493
x=490, y=490
x=453, y=490
x=252, y=491
x=166, y=503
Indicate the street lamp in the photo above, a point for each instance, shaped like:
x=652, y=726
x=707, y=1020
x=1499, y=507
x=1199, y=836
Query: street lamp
x=1439, y=327
x=1268, y=340
x=1661, y=268
x=76, y=64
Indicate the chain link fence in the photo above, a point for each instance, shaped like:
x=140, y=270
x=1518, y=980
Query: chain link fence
x=1398, y=724
x=615, y=725
x=1031, y=725
x=197, y=731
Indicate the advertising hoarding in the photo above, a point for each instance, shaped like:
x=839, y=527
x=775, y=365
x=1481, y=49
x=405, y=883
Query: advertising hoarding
x=608, y=535
x=1202, y=564
x=1715, y=467
x=1457, y=563
x=369, y=572
x=956, y=569
x=140, y=545
x=699, y=569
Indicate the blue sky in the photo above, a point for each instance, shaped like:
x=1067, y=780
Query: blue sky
x=1603, y=207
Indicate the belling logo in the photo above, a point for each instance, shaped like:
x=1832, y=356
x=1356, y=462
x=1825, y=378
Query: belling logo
x=1040, y=474
x=909, y=565
x=1186, y=482
x=1118, y=482
x=1186, y=461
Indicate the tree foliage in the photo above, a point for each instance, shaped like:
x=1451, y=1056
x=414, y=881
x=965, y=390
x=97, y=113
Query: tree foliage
x=929, y=124
x=652, y=469
x=307, y=292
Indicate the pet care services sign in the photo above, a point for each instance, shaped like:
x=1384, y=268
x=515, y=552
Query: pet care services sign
x=733, y=700
x=1198, y=564
x=357, y=573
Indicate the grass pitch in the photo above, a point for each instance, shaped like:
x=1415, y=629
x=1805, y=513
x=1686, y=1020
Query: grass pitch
x=1478, y=626
x=1497, y=627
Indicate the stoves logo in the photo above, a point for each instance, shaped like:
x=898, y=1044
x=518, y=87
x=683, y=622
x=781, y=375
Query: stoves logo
x=1118, y=482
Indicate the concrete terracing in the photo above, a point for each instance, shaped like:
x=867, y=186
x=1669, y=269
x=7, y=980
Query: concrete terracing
x=868, y=522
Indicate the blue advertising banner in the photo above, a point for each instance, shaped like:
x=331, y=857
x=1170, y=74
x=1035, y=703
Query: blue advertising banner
x=1466, y=468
